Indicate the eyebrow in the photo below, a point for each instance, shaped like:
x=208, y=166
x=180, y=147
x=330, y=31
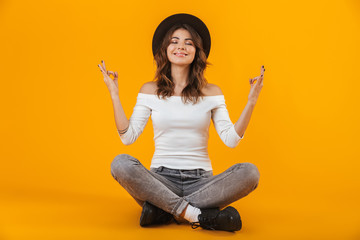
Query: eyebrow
x=185, y=38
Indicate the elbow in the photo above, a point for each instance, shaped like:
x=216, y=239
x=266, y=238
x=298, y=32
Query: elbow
x=231, y=140
x=127, y=140
x=232, y=145
x=128, y=137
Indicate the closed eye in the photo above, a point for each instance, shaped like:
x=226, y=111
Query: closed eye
x=187, y=43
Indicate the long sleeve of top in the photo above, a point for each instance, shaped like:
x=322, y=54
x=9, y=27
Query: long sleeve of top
x=223, y=125
x=181, y=131
x=137, y=121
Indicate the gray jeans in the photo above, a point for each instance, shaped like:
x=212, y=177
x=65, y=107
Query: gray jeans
x=173, y=189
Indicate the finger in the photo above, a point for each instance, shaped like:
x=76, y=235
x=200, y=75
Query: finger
x=101, y=69
x=261, y=80
x=116, y=75
x=262, y=74
x=103, y=63
x=111, y=73
x=103, y=72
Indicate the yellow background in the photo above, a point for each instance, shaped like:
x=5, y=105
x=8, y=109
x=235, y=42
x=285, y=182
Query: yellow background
x=58, y=135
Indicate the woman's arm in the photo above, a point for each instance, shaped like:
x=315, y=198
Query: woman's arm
x=137, y=121
x=223, y=125
x=129, y=130
x=243, y=121
x=121, y=121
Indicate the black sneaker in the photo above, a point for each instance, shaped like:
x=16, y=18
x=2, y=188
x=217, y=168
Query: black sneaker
x=152, y=215
x=227, y=219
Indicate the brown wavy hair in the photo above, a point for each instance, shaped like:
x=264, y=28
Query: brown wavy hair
x=196, y=81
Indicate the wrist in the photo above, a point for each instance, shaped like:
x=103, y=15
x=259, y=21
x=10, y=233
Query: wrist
x=114, y=95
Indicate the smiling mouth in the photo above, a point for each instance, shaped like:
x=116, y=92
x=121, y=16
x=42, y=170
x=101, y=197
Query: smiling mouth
x=180, y=55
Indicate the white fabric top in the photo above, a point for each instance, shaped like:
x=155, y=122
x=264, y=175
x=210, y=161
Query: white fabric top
x=181, y=131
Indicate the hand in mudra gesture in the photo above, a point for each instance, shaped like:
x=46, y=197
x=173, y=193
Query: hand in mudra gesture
x=112, y=84
x=256, y=84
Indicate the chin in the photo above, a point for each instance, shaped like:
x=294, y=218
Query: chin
x=177, y=62
x=180, y=63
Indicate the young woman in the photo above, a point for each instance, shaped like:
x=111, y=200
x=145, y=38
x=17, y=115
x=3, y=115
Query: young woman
x=180, y=183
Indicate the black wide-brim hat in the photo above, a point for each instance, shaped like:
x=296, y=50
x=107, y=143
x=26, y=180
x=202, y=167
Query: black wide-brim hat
x=189, y=19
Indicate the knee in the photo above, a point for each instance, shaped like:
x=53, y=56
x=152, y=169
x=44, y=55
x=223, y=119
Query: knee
x=121, y=164
x=254, y=174
x=251, y=171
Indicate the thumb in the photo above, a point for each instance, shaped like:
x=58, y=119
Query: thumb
x=252, y=81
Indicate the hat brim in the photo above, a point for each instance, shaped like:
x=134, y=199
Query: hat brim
x=189, y=19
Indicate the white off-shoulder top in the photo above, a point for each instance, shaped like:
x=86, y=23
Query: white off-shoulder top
x=181, y=131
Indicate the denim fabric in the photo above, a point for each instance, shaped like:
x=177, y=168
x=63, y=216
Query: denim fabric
x=173, y=189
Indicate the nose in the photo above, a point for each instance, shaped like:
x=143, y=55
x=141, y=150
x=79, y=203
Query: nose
x=181, y=46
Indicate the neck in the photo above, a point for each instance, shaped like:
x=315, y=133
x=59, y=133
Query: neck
x=180, y=75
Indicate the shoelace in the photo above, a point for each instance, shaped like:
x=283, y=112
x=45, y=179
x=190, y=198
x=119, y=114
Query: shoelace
x=210, y=226
x=195, y=225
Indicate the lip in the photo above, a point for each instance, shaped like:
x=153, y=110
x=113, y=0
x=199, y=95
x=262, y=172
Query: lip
x=184, y=54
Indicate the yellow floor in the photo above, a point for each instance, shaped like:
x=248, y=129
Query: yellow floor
x=40, y=214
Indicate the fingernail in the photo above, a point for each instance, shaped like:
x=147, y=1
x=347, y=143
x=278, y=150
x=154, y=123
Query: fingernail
x=261, y=75
x=102, y=61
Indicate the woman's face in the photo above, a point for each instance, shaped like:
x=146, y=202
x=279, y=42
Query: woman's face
x=181, y=50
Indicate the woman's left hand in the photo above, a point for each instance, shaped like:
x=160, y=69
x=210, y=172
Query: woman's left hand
x=256, y=84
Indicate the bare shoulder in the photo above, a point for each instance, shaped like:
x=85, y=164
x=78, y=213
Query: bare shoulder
x=212, y=89
x=148, y=88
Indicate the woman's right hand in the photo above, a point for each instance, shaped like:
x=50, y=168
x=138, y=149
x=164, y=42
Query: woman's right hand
x=111, y=84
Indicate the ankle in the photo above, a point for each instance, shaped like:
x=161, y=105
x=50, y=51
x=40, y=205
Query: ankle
x=192, y=213
x=182, y=215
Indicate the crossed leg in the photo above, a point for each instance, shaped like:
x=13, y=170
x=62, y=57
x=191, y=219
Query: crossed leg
x=215, y=191
x=144, y=185
x=225, y=188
